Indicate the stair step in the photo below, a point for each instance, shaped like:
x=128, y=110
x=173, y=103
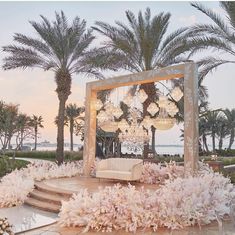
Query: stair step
x=45, y=206
x=40, y=186
x=47, y=197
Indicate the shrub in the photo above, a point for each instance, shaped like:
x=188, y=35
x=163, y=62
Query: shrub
x=47, y=155
x=8, y=165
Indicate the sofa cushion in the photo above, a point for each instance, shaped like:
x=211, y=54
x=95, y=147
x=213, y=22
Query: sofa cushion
x=122, y=164
x=111, y=174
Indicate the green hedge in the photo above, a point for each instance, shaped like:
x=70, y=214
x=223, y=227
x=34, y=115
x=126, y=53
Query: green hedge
x=47, y=155
x=7, y=165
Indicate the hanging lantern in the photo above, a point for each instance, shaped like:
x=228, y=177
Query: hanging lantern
x=142, y=95
x=163, y=101
x=128, y=99
x=152, y=109
x=99, y=104
x=102, y=116
x=163, y=121
x=123, y=125
x=117, y=112
x=109, y=108
x=176, y=94
x=109, y=126
x=172, y=109
x=147, y=122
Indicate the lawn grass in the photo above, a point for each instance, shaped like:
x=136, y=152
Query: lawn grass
x=8, y=165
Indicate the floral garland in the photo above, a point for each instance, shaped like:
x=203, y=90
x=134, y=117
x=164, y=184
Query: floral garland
x=5, y=227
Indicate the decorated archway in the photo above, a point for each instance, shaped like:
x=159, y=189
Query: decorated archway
x=187, y=70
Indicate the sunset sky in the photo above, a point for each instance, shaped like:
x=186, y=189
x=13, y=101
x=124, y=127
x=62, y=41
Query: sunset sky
x=34, y=89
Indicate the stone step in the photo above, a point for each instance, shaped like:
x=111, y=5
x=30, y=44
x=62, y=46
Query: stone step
x=45, y=206
x=47, y=197
x=40, y=186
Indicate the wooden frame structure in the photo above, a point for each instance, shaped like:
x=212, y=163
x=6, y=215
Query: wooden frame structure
x=187, y=70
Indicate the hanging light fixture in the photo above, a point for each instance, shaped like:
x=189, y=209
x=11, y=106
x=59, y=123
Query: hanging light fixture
x=142, y=96
x=128, y=99
x=123, y=125
x=147, y=122
x=117, y=112
x=163, y=121
x=152, y=109
x=109, y=126
x=176, y=94
x=163, y=101
x=99, y=104
x=172, y=109
x=102, y=116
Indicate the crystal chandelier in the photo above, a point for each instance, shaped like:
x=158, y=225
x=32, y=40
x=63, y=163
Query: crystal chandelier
x=134, y=133
x=102, y=116
x=176, y=94
x=152, y=109
x=142, y=96
x=163, y=121
x=163, y=101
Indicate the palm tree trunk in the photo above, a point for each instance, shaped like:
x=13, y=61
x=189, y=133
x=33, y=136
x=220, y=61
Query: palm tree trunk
x=35, y=139
x=205, y=142
x=220, y=142
x=60, y=131
x=213, y=141
x=153, y=129
x=63, y=81
x=231, y=140
x=71, y=134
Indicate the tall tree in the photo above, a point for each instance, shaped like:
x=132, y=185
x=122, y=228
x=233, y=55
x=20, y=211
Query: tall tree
x=23, y=129
x=60, y=47
x=141, y=45
x=230, y=115
x=219, y=35
x=36, y=123
x=72, y=113
x=221, y=130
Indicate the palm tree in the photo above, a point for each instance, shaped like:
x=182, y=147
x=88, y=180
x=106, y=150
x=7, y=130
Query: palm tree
x=72, y=112
x=220, y=35
x=212, y=119
x=140, y=46
x=203, y=132
x=23, y=129
x=36, y=123
x=222, y=129
x=230, y=115
x=61, y=48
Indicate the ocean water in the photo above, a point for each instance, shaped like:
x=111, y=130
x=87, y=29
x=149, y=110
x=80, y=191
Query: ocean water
x=167, y=149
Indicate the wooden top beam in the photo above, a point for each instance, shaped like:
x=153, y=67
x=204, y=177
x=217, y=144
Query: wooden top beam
x=171, y=72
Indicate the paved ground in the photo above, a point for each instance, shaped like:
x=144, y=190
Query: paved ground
x=227, y=229
x=25, y=217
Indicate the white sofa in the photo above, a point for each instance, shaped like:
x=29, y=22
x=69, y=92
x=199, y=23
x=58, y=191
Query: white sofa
x=120, y=168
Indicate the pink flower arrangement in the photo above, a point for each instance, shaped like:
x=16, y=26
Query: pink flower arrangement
x=15, y=186
x=179, y=202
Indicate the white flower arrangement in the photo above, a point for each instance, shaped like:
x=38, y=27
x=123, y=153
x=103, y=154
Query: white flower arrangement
x=15, y=186
x=179, y=202
x=5, y=227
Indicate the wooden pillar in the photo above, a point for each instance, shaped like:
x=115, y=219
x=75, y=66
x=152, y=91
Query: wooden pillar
x=191, y=118
x=89, y=130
